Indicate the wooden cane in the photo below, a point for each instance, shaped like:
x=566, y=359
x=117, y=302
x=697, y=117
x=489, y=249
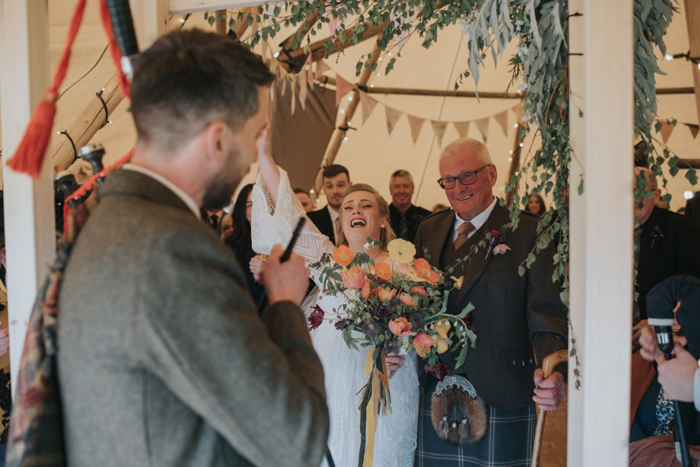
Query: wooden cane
x=550, y=362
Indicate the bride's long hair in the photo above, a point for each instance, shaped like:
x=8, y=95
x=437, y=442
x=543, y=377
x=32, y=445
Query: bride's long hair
x=387, y=234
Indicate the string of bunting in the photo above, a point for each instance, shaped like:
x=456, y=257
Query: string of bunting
x=666, y=127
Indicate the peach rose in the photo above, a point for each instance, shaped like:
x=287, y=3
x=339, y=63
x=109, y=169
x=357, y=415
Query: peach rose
x=423, y=343
x=354, y=278
x=401, y=327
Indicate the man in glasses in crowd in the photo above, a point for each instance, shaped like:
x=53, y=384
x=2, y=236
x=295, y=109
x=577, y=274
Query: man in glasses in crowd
x=512, y=314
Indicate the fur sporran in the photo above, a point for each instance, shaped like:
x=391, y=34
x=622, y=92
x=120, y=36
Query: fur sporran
x=457, y=412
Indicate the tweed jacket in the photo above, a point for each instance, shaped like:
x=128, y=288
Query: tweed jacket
x=163, y=359
x=512, y=314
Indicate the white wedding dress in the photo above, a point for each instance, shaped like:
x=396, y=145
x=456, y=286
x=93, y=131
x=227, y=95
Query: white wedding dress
x=344, y=368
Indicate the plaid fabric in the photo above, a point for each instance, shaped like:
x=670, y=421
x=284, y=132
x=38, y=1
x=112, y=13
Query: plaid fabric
x=36, y=432
x=508, y=440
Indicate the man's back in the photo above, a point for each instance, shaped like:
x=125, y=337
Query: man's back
x=163, y=359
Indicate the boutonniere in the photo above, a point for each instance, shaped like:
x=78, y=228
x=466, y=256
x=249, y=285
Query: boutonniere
x=496, y=241
x=656, y=234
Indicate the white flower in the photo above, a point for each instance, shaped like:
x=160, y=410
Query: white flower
x=523, y=86
x=366, y=246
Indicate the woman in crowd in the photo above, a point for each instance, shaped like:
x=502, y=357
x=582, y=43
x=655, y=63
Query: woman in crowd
x=364, y=213
x=536, y=205
x=240, y=240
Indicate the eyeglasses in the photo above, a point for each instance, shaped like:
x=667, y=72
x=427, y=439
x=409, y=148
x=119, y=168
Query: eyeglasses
x=465, y=178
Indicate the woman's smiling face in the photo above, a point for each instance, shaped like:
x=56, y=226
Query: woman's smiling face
x=360, y=217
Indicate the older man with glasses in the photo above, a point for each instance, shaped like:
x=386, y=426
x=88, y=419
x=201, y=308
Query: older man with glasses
x=513, y=315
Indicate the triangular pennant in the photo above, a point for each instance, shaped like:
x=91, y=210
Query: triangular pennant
x=333, y=22
x=368, y=105
x=483, y=126
x=284, y=86
x=502, y=120
x=416, y=125
x=321, y=68
x=439, y=130
x=392, y=117
x=519, y=114
x=666, y=130
x=462, y=128
x=342, y=87
x=310, y=76
x=693, y=129
x=303, y=89
x=293, y=85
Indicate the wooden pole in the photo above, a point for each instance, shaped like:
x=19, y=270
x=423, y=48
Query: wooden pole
x=87, y=124
x=601, y=226
x=30, y=237
x=340, y=131
x=150, y=20
x=692, y=18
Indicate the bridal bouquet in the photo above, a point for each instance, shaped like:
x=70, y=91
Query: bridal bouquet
x=395, y=309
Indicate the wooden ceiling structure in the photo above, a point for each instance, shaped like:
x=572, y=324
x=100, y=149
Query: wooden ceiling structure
x=601, y=219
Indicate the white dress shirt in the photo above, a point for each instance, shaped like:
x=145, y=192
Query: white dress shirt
x=478, y=220
x=187, y=199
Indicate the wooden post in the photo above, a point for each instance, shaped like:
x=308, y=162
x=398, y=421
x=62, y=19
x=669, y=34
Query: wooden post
x=340, y=131
x=692, y=18
x=601, y=230
x=150, y=20
x=29, y=204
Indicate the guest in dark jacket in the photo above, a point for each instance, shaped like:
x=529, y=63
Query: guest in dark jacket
x=240, y=241
x=405, y=216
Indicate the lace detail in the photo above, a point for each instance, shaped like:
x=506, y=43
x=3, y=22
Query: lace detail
x=344, y=368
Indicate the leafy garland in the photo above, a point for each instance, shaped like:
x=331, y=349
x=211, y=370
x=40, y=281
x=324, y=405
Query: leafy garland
x=540, y=63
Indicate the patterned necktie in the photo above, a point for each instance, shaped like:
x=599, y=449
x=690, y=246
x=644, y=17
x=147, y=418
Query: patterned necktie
x=403, y=227
x=463, y=234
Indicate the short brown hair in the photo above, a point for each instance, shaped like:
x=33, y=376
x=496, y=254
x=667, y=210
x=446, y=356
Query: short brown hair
x=401, y=173
x=387, y=234
x=335, y=169
x=301, y=190
x=189, y=79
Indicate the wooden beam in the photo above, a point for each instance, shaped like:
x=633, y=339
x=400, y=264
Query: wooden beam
x=600, y=233
x=303, y=29
x=339, y=133
x=692, y=18
x=195, y=6
x=30, y=237
x=688, y=164
x=438, y=93
x=666, y=91
x=150, y=20
x=87, y=124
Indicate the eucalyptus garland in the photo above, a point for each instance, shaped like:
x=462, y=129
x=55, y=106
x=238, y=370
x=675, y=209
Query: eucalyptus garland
x=539, y=68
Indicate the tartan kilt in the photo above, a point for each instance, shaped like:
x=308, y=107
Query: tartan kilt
x=508, y=440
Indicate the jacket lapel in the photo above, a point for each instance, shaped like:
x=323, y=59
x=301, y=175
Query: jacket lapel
x=473, y=269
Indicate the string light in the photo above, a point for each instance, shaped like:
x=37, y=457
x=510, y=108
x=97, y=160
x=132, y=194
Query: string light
x=516, y=125
x=379, y=74
x=390, y=54
x=371, y=85
x=277, y=54
x=342, y=111
x=312, y=191
x=511, y=152
x=380, y=59
x=345, y=139
x=510, y=159
x=182, y=20
x=521, y=145
x=695, y=60
x=688, y=194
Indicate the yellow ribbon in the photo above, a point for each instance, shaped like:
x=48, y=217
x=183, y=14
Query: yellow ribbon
x=372, y=409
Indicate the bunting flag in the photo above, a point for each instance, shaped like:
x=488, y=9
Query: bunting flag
x=321, y=68
x=416, y=125
x=519, y=114
x=293, y=85
x=368, y=105
x=439, y=130
x=310, y=75
x=342, y=87
x=333, y=22
x=462, y=128
x=666, y=130
x=483, y=126
x=693, y=129
x=392, y=117
x=284, y=85
x=502, y=120
x=403, y=36
x=303, y=88
x=267, y=52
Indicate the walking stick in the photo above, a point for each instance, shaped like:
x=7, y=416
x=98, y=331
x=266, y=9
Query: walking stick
x=550, y=361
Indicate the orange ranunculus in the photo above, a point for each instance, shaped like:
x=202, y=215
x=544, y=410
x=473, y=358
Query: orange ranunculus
x=384, y=293
x=343, y=255
x=423, y=342
x=366, y=289
x=425, y=272
x=419, y=290
x=382, y=271
x=354, y=278
x=401, y=327
x=407, y=300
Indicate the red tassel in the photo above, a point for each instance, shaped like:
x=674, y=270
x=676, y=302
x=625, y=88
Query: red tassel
x=29, y=156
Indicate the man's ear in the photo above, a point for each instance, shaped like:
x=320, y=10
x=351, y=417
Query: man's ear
x=215, y=141
x=493, y=174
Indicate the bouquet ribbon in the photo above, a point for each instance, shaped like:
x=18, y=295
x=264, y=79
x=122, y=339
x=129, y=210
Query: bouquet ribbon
x=370, y=405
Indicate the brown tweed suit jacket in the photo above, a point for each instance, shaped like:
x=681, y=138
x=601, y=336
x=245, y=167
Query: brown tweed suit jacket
x=163, y=359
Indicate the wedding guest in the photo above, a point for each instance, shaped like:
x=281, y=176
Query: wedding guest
x=163, y=358
x=503, y=367
x=692, y=210
x=439, y=207
x=213, y=217
x=662, y=204
x=304, y=199
x=336, y=180
x=226, y=226
x=681, y=210
x=536, y=205
x=405, y=216
x=240, y=241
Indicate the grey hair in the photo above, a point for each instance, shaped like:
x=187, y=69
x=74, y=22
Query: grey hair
x=401, y=173
x=468, y=143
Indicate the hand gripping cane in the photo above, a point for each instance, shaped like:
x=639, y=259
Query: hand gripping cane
x=548, y=365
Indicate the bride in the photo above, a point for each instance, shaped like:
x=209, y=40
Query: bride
x=364, y=213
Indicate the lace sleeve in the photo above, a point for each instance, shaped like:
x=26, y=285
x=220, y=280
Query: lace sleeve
x=275, y=224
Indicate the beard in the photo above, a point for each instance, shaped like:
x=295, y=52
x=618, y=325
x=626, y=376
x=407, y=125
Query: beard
x=221, y=187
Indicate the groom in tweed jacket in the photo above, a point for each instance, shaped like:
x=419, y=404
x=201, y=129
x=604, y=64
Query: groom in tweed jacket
x=513, y=314
x=163, y=358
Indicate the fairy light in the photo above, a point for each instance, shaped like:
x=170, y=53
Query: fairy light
x=669, y=57
x=371, y=85
x=349, y=98
x=510, y=152
x=510, y=159
x=311, y=191
x=277, y=54
x=182, y=20
x=521, y=145
x=345, y=139
x=379, y=74
x=516, y=125
x=342, y=111
x=688, y=194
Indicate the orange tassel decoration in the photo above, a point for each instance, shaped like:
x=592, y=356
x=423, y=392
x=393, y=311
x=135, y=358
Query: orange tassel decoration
x=30, y=154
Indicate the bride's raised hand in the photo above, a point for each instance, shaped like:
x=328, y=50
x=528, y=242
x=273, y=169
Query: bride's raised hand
x=268, y=168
